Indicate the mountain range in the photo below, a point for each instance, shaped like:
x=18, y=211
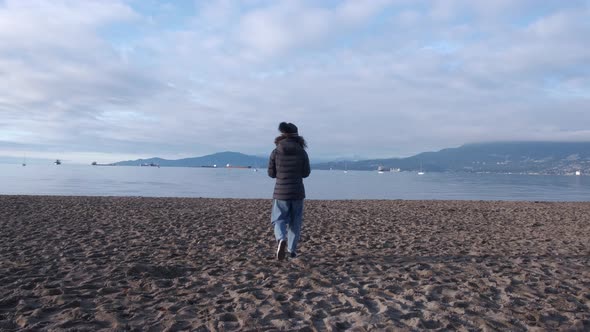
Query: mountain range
x=496, y=157
x=220, y=159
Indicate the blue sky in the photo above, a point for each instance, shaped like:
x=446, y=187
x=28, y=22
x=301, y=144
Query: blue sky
x=111, y=80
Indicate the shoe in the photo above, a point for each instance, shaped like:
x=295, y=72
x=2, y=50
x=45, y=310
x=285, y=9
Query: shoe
x=292, y=255
x=282, y=250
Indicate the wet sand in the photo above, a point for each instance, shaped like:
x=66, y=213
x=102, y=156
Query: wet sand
x=152, y=264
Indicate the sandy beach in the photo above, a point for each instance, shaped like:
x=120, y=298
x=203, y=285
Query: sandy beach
x=153, y=264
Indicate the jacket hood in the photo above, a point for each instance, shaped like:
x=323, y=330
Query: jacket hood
x=289, y=146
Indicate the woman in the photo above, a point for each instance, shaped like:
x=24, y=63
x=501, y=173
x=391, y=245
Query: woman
x=288, y=164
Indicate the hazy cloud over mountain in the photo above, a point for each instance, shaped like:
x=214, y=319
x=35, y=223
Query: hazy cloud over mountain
x=112, y=80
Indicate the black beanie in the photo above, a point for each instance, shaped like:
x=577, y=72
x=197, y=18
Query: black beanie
x=284, y=127
x=292, y=128
x=287, y=128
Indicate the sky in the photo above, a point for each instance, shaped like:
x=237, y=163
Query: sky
x=112, y=80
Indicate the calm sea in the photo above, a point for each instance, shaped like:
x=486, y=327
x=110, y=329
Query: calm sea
x=246, y=183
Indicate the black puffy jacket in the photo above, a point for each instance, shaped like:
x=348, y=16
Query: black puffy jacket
x=289, y=164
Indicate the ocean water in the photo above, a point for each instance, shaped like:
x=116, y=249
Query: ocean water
x=247, y=183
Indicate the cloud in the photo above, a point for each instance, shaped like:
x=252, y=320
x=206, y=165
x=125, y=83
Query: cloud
x=372, y=78
x=59, y=75
x=288, y=25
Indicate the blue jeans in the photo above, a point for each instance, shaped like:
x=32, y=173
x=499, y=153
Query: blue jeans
x=287, y=217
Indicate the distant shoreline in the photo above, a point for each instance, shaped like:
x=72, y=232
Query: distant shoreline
x=371, y=170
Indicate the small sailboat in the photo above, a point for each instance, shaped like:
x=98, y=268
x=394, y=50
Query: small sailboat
x=345, y=168
x=420, y=172
x=24, y=160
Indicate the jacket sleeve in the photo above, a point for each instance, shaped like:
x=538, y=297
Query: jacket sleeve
x=272, y=166
x=306, y=167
